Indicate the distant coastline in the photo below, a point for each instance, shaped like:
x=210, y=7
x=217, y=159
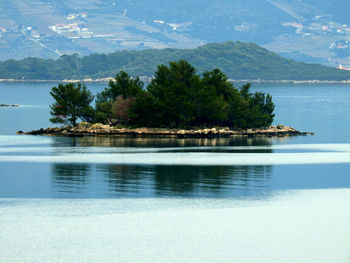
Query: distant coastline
x=9, y=105
x=144, y=78
x=101, y=80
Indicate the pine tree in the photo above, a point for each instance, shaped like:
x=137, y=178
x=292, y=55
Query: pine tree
x=72, y=102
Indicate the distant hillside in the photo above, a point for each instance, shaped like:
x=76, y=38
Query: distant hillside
x=306, y=30
x=238, y=60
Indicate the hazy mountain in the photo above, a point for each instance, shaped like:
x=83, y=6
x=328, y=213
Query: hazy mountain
x=238, y=60
x=307, y=30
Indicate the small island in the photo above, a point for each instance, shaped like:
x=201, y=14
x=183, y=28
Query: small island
x=9, y=105
x=177, y=103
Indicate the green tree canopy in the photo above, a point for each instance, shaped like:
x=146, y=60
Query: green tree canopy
x=72, y=102
x=122, y=85
x=173, y=89
x=177, y=97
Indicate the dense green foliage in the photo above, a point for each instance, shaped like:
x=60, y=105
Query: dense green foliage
x=178, y=97
x=238, y=60
x=120, y=89
x=72, y=102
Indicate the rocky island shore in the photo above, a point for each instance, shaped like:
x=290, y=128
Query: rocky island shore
x=87, y=129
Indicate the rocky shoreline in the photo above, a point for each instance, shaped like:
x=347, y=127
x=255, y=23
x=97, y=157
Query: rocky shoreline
x=98, y=129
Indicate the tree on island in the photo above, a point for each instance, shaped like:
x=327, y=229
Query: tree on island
x=72, y=102
x=111, y=100
x=177, y=97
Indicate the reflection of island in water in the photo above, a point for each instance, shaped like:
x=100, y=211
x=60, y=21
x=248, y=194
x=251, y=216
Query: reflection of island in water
x=158, y=181
x=187, y=181
x=100, y=141
x=70, y=178
x=161, y=181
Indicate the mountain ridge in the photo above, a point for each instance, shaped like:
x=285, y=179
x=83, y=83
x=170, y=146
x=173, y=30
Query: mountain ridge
x=238, y=60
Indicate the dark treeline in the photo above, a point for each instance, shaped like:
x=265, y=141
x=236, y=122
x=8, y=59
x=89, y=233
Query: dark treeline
x=238, y=60
x=177, y=97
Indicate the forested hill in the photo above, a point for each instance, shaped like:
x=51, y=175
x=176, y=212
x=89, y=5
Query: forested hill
x=238, y=60
x=312, y=31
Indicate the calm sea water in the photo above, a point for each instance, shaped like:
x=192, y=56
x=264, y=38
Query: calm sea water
x=175, y=167
x=177, y=200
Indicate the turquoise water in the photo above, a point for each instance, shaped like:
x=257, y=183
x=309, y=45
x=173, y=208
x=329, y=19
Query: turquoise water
x=231, y=168
x=323, y=109
x=99, y=199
